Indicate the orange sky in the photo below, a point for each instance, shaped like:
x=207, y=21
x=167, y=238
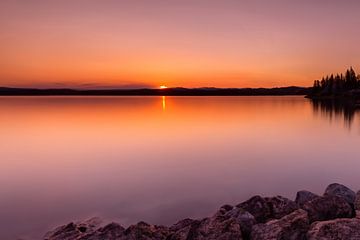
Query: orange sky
x=229, y=43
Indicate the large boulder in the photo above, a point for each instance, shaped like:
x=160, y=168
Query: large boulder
x=258, y=207
x=337, y=229
x=291, y=227
x=303, y=197
x=339, y=190
x=327, y=208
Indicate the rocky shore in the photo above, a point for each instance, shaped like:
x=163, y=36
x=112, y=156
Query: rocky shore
x=334, y=215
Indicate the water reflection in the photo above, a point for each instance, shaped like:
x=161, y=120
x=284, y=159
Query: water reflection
x=163, y=103
x=336, y=109
x=125, y=159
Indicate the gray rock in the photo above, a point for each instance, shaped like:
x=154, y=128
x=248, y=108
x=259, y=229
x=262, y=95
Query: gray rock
x=339, y=190
x=280, y=206
x=291, y=227
x=303, y=197
x=337, y=229
x=258, y=207
x=327, y=208
x=357, y=201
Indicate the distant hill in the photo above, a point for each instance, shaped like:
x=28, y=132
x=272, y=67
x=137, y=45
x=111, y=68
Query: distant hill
x=5, y=91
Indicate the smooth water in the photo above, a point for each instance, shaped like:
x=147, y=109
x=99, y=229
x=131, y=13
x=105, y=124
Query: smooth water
x=161, y=159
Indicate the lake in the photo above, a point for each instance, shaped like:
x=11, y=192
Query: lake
x=161, y=159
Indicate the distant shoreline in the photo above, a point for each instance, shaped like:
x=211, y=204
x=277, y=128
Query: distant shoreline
x=280, y=91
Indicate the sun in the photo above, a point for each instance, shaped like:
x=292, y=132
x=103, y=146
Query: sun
x=163, y=87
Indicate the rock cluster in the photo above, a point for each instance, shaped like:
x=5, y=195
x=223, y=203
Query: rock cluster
x=331, y=216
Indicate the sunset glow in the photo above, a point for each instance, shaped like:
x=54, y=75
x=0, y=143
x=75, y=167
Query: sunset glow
x=163, y=87
x=132, y=44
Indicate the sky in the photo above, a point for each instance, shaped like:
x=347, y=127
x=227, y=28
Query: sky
x=177, y=43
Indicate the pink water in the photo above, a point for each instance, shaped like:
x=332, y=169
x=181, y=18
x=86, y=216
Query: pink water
x=161, y=159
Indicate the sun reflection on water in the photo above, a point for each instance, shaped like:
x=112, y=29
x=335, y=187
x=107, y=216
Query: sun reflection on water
x=163, y=103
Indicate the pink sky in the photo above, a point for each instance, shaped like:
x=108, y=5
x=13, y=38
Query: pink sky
x=127, y=43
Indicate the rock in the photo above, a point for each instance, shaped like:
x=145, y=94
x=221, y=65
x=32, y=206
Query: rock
x=357, y=201
x=303, y=197
x=212, y=229
x=244, y=218
x=339, y=190
x=181, y=229
x=74, y=230
x=91, y=230
x=291, y=227
x=327, y=208
x=337, y=229
x=264, y=209
x=144, y=231
x=225, y=224
x=112, y=231
x=209, y=229
x=258, y=207
x=280, y=206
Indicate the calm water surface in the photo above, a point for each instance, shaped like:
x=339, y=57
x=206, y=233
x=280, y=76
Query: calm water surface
x=160, y=159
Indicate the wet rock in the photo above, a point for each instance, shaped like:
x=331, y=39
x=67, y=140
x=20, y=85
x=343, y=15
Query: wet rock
x=291, y=227
x=357, y=201
x=258, y=207
x=327, y=208
x=280, y=206
x=303, y=197
x=338, y=229
x=339, y=190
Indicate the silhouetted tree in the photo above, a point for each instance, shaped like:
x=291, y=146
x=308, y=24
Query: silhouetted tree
x=337, y=84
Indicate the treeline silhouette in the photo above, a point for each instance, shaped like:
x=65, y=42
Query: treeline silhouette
x=158, y=92
x=338, y=84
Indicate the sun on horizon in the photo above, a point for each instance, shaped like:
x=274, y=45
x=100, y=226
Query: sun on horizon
x=163, y=87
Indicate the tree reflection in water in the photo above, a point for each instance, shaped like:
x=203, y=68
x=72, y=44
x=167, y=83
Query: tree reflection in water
x=334, y=109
